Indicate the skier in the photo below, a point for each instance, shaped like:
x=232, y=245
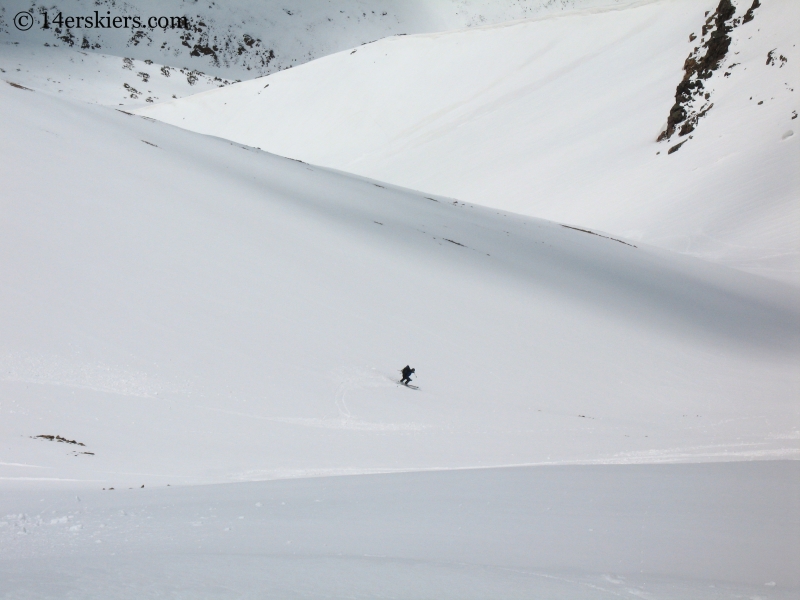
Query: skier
x=407, y=371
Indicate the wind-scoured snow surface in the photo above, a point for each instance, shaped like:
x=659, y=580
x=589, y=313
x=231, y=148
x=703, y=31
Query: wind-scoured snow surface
x=557, y=117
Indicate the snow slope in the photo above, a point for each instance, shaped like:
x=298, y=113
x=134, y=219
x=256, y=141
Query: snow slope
x=196, y=311
x=99, y=78
x=241, y=39
x=556, y=117
x=680, y=532
x=234, y=40
x=180, y=309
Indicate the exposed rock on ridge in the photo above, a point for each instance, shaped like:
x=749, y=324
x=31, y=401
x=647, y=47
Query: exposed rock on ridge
x=692, y=99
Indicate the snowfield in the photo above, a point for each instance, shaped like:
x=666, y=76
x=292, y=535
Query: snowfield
x=557, y=117
x=202, y=339
x=683, y=532
x=189, y=307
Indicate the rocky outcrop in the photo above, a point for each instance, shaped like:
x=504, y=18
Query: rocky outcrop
x=692, y=99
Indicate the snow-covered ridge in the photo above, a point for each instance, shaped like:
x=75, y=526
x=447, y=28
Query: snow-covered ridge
x=180, y=309
x=242, y=39
x=558, y=117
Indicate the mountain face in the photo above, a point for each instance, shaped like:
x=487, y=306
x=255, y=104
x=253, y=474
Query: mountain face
x=186, y=305
x=559, y=117
x=204, y=46
x=245, y=38
x=184, y=310
x=202, y=341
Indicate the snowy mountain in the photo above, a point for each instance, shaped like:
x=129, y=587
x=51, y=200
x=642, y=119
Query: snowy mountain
x=201, y=342
x=558, y=117
x=246, y=38
x=202, y=46
x=266, y=305
x=189, y=310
